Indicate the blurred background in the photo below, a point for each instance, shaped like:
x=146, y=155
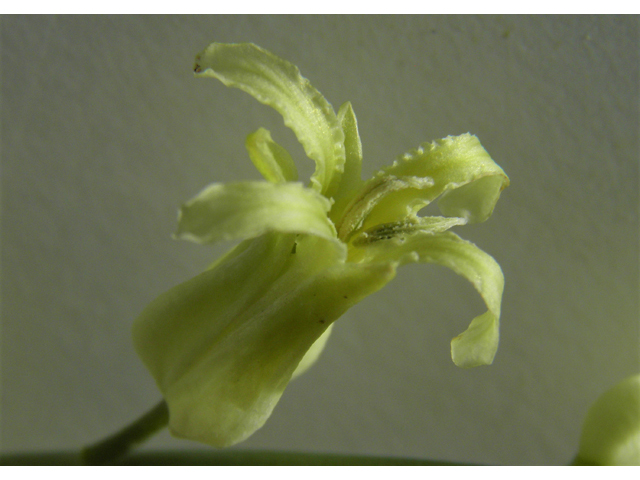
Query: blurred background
x=105, y=132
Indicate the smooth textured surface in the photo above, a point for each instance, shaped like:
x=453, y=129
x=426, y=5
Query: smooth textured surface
x=105, y=132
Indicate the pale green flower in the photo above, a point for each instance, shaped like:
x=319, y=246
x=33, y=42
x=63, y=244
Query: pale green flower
x=223, y=346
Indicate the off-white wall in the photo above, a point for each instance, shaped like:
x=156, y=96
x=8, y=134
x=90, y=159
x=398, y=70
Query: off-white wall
x=105, y=132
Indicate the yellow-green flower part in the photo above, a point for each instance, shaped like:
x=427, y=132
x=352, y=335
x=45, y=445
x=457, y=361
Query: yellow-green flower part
x=611, y=430
x=223, y=346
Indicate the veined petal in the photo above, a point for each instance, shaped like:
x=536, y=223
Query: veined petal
x=272, y=160
x=249, y=209
x=478, y=344
x=278, y=83
x=223, y=345
x=459, y=169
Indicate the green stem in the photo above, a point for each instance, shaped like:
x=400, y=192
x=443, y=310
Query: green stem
x=111, y=448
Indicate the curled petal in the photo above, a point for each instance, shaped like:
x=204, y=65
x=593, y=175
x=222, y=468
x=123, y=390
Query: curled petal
x=278, y=83
x=223, y=346
x=272, y=160
x=459, y=169
x=478, y=344
x=249, y=209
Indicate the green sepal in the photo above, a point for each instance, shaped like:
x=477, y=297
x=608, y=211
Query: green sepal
x=223, y=346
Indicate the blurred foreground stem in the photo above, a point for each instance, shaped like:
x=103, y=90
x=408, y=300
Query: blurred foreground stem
x=117, y=445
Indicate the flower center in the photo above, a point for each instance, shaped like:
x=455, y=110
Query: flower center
x=371, y=194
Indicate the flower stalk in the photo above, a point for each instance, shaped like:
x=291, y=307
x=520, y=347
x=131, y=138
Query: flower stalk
x=119, y=444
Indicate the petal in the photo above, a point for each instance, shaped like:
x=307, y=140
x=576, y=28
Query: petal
x=249, y=209
x=478, y=344
x=223, y=345
x=351, y=180
x=611, y=431
x=352, y=175
x=278, y=83
x=458, y=168
x=272, y=161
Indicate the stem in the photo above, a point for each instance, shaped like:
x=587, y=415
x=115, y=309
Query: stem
x=111, y=448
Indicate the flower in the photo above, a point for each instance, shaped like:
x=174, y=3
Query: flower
x=223, y=346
